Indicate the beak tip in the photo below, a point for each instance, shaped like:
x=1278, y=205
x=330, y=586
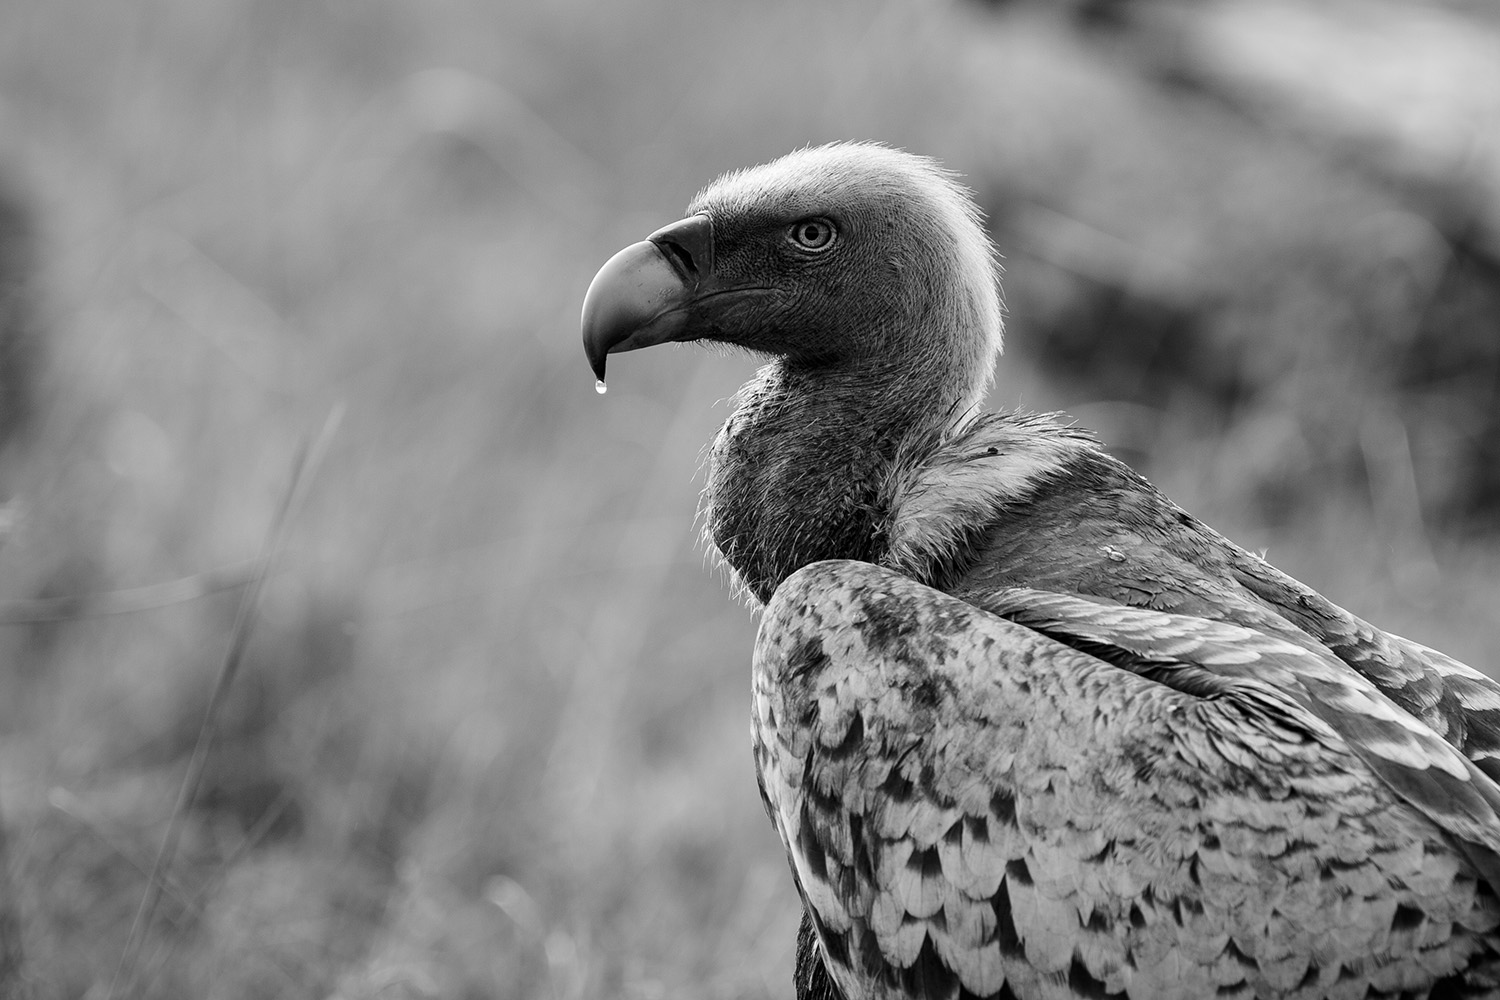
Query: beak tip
x=627, y=303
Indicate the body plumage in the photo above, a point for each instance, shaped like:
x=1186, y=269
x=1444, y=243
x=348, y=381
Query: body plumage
x=1025, y=727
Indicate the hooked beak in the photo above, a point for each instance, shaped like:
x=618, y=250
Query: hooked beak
x=640, y=296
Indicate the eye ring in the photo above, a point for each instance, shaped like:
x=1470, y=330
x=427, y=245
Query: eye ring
x=813, y=235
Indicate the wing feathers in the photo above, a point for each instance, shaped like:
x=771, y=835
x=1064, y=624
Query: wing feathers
x=1422, y=767
x=1455, y=700
x=1009, y=499
x=972, y=805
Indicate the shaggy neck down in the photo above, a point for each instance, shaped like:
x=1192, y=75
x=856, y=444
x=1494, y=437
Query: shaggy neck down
x=802, y=471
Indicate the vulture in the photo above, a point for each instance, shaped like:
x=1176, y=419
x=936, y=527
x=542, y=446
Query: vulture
x=1026, y=728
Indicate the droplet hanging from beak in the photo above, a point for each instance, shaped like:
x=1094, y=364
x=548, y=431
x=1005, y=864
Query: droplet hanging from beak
x=600, y=387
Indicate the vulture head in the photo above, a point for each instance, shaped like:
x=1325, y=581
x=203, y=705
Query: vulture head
x=864, y=274
x=851, y=256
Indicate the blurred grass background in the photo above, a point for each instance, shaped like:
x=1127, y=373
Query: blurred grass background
x=491, y=736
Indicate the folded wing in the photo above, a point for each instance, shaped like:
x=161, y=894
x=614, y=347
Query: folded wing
x=1071, y=798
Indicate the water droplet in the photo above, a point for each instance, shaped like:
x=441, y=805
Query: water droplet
x=600, y=387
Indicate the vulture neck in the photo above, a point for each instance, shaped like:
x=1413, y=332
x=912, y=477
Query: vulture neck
x=800, y=472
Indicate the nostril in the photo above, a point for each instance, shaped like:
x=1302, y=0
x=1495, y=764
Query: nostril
x=679, y=256
x=689, y=245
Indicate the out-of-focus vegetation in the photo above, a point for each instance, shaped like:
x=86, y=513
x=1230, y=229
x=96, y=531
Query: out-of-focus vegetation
x=490, y=738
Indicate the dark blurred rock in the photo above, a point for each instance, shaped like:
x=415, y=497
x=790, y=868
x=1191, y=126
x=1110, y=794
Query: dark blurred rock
x=1330, y=341
x=1227, y=248
x=1447, y=378
x=18, y=339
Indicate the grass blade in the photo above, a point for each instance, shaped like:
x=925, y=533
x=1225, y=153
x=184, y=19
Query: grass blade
x=309, y=457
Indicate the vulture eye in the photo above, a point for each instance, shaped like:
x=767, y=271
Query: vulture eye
x=815, y=235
